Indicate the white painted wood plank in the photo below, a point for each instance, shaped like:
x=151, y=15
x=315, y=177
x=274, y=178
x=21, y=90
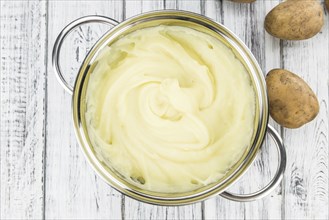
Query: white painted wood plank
x=246, y=21
x=306, y=185
x=73, y=190
x=267, y=51
x=213, y=10
x=170, y=4
x=22, y=117
x=196, y=6
x=133, y=208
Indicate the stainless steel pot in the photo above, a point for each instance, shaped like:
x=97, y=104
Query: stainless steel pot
x=200, y=23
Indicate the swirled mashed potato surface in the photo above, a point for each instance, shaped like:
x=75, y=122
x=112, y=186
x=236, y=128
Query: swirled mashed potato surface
x=169, y=108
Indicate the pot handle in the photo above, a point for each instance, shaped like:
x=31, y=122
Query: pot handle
x=61, y=37
x=274, y=182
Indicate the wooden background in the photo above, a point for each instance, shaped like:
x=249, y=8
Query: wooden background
x=43, y=171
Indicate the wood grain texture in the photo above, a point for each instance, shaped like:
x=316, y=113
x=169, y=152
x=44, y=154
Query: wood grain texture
x=306, y=177
x=22, y=78
x=73, y=190
x=44, y=174
x=246, y=21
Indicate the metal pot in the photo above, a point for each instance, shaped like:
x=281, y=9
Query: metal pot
x=200, y=23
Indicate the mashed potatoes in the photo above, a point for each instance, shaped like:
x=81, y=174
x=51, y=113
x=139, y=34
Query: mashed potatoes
x=170, y=108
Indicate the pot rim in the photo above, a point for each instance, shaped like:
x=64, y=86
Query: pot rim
x=261, y=117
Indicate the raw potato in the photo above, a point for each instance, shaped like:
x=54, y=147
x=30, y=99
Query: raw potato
x=243, y=1
x=292, y=101
x=295, y=19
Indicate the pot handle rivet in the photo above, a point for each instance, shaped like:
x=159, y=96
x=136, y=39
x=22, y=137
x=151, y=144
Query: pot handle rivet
x=273, y=183
x=61, y=37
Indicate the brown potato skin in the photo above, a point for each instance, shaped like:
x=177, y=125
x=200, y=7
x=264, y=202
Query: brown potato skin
x=327, y=4
x=243, y=1
x=295, y=20
x=292, y=101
